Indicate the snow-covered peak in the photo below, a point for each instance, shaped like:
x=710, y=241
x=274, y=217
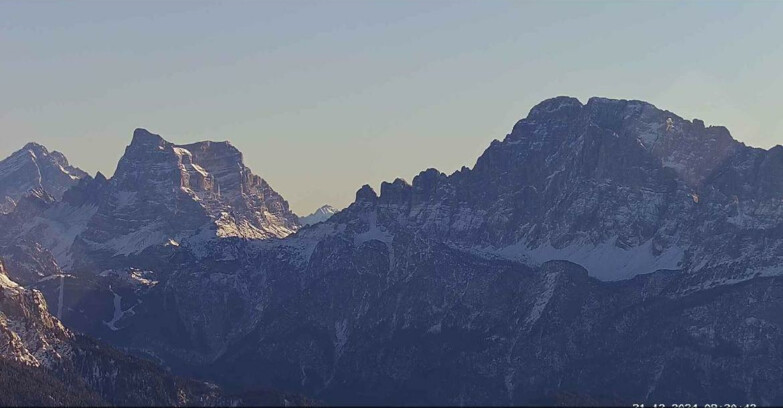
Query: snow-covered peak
x=321, y=214
x=325, y=209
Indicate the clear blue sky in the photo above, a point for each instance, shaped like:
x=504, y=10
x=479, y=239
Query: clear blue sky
x=325, y=96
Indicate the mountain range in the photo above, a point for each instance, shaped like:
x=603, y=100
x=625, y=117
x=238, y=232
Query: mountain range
x=606, y=252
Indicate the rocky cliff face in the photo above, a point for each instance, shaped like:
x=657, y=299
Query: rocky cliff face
x=163, y=192
x=34, y=167
x=30, y=335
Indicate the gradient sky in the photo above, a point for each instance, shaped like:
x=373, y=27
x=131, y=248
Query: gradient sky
x=325, y=96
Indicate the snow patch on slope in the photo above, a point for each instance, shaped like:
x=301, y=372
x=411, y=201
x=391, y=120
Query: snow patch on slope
x=132, y=276
x=605, y=261
x=118, y=312
x=139, y=240
x=374, y=232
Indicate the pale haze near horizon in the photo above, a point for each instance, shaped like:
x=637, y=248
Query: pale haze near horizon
x=324, y=97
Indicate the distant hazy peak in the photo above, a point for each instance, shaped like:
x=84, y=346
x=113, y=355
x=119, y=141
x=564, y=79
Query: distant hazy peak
x=321, y=214
x=325, y=209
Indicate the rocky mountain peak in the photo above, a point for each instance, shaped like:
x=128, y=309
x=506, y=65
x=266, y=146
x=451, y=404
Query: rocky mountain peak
x=160, y=194
x=211, y=168
x=164, y=191
x=398, y=191
x=427, y=184
x=325, y=209
x=557, y=126
x=143, y=137
x=555, y=107
x=87, y=191
x=35, y=167
x=35, y=148
x=609, y=179
x=323, y=213
x=366, y=195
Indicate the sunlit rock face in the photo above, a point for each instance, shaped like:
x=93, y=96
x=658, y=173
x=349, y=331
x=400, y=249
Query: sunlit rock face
x=35, y=168
x=163, y=191
x=160, y=195
x=30, y=334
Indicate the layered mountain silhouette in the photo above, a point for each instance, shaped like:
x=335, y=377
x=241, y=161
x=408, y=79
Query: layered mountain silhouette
x=606, y=252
